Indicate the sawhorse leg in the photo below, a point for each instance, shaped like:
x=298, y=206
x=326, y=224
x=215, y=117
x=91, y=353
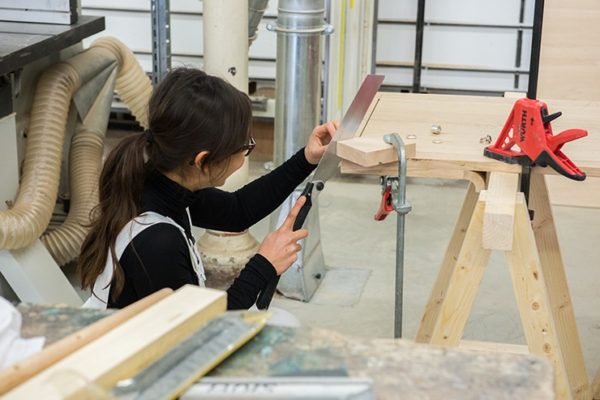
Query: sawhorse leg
x=431, y=316
x=596, y=386
x=558, y=291
x=539, y=283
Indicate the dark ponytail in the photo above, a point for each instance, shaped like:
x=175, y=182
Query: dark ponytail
x=189, y=112
x=121, y=184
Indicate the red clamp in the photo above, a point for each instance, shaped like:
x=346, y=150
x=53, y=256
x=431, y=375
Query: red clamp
x=386, y=206
x=528, y=128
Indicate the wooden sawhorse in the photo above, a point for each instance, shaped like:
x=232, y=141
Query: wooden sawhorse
x=498, y=219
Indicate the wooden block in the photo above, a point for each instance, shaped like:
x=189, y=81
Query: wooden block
x=499, y=212
x=18, y=373
x=128, y=348
x=369, y=152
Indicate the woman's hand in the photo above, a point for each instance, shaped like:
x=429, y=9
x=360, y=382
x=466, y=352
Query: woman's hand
x=280, y=247
x=318, y=141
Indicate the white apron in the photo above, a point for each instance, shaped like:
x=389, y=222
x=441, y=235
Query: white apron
x=99, y=297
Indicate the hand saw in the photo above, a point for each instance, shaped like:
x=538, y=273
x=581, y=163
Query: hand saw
x=328, y=166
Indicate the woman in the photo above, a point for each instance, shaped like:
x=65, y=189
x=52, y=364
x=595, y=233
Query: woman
x=154, y=186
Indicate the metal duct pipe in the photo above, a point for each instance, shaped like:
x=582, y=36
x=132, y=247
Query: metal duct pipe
x=300, y=24
x=256, y=9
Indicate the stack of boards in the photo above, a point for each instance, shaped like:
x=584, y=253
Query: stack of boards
x=155, y=348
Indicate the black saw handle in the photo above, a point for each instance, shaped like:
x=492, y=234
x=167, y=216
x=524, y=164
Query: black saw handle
x=265, y=297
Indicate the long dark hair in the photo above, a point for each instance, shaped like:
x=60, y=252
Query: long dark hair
x=189, y=112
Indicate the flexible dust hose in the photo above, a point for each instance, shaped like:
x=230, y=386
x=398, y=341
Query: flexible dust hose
x=22, y=224
x=64, y=243
x=26, y=220
x=133, y=85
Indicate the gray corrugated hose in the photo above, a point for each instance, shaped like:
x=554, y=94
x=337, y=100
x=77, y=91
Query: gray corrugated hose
x=22, y=224
x=64, y=243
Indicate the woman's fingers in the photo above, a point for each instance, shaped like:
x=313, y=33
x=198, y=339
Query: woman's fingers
x=291, y=218
x=299, y=234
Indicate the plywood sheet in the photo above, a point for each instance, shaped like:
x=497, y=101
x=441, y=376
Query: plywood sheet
x=570, y=58
x=467, y=119
x=570, y=69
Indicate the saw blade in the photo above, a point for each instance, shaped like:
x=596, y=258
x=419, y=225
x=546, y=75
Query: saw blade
x=328, y=166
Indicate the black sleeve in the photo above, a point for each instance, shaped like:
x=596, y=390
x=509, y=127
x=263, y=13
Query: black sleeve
x=159, y=257
x=237, y=211
x=242, y=294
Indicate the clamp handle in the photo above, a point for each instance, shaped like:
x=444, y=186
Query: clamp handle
x=386, y=206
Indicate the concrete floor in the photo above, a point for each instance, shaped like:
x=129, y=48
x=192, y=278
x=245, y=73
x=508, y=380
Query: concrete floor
x=352, y=239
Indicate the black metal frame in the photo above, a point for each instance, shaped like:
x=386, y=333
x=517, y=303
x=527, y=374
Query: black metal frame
x=417, y=66
x=161, y=39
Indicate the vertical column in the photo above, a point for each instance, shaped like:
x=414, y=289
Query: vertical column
x=161, y=39
x=226, y=56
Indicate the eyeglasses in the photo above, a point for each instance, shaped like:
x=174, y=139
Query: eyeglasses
x=247, y=148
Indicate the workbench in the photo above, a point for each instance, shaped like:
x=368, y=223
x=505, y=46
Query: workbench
x=534, y=257
x=23, y=43
x=395, y=366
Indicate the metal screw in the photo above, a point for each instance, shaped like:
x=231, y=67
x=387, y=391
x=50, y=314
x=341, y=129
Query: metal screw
x=436, y=129
x=317, y=276
x=232, y=71
x=487, y=139
x=411, y=136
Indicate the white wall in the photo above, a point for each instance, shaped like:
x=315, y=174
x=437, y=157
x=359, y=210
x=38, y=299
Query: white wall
x=130, y=22
x=487, y=48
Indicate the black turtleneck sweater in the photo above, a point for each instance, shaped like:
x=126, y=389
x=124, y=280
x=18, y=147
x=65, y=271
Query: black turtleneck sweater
x=159, y=257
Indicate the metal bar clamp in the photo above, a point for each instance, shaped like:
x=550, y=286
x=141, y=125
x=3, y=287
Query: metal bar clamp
x=394, y=198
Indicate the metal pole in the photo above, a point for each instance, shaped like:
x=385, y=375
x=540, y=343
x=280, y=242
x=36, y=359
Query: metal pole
x=419, y=47
x=536, y=47
x=326, y=62
x=374, y=37
x=402, y=208
x=161, y=39
x=300, y=26
x=519, y=42
x=534, y=67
